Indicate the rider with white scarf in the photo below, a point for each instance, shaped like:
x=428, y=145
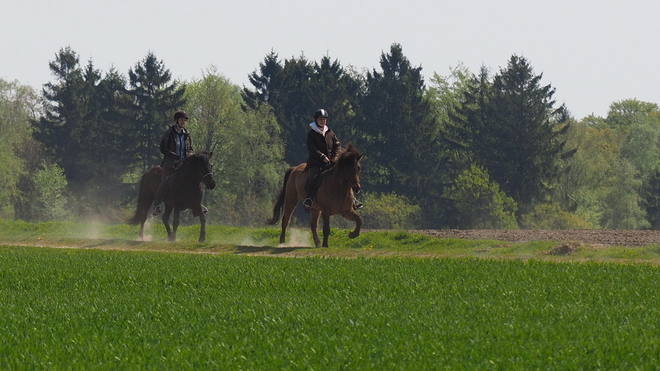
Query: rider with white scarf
x=322, y=145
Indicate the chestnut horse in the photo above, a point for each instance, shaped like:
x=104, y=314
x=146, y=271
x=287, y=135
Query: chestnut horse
x=184, y=191
x=334, y=195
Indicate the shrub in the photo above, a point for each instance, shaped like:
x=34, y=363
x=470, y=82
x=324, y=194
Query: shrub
x=50, y=183
x=388, y=211
x=480, y=202
x=551, y=216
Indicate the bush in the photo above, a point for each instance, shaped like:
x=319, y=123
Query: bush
x=50, y=184
x=551, y=216
x=480, y=202
x=388, y=211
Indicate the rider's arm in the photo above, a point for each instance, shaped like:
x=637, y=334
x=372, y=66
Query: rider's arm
x=164, y=146
x=335, y=147
x=314, y=151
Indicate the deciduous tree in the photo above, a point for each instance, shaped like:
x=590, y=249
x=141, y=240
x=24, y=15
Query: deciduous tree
x=19, y=104
x=246, y=144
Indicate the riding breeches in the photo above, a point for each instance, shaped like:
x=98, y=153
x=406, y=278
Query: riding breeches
x=167, y=171
x=310, y=185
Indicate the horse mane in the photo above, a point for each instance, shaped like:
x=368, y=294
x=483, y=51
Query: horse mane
x=348, y=155
x=203, y=155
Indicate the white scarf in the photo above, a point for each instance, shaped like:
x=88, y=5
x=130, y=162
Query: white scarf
x=317, y=129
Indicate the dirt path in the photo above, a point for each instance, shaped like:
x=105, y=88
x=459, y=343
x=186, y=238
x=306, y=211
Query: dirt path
x=591, y=236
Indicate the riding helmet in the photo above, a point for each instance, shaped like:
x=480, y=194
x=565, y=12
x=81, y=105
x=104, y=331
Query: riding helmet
x=180, y=114
x=320, y=113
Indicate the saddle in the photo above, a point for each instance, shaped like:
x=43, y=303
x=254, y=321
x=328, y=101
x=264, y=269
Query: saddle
x=313, y=185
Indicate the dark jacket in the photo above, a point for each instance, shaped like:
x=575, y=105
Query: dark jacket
x=168, y=147
x=319, y=145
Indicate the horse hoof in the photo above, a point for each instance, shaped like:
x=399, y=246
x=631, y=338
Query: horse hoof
x=353, y=234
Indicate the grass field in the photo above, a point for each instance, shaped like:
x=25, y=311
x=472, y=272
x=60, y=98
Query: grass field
x=218, y=308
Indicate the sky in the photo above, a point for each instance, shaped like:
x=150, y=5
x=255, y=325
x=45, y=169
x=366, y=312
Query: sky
x=594, y=53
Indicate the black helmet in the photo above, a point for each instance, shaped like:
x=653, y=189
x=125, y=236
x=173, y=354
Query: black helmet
x=180, y=114
x=320, y=113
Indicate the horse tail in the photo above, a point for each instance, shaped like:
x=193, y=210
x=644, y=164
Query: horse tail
x=146, y=196
x=279, y=200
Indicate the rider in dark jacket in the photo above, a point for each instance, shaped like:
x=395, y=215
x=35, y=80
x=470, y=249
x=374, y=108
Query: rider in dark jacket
x=176, y=146
x=323, y=146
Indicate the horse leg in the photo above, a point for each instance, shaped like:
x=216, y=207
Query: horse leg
x=142, y=231
x=352, y=215
x=175, y=225
x=313, y=224
x=202, y=227
x=326, y=229
x=166, y=222
x=286, y=216
x=286, y=219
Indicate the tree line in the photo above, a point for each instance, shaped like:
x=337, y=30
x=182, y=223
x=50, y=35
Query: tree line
x=467, y=150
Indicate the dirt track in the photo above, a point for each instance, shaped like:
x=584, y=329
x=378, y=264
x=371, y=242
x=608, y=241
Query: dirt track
x=590, y=236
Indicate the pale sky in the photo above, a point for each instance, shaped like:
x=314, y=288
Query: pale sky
x=593, y=52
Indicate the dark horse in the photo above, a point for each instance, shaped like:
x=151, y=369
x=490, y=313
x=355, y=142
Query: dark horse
x=184, y=191
x=334, y=196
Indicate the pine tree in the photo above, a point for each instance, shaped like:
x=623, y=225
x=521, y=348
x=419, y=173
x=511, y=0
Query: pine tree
x=155, y=99
x=286, y=89
x=295, y=108
x=83, y=129
x=511, y=127
x=63, y=118
x=73, y=129
x=310, y=86
x=400, y=133
x=525, y=138
x=336, y=90
x=115, y=103
x=295, y=90
x=266, y=82
x=467, y=129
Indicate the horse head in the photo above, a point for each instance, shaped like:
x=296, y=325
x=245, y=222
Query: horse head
x=349, y=164
x=203, y=169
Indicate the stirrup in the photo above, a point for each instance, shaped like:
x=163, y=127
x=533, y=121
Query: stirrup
x=357, y=204
x=205, y=210
x=157, y=210
x=307, y=203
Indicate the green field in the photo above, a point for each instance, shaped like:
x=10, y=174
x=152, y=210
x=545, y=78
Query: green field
x=217, y=308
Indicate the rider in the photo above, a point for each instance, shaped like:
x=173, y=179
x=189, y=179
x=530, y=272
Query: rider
x=176, y=146
x=323, y=145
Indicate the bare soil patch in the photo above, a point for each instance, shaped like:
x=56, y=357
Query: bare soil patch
x=607, y=237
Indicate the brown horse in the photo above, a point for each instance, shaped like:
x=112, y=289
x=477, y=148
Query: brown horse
x=184, y=191
x=334, y=195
